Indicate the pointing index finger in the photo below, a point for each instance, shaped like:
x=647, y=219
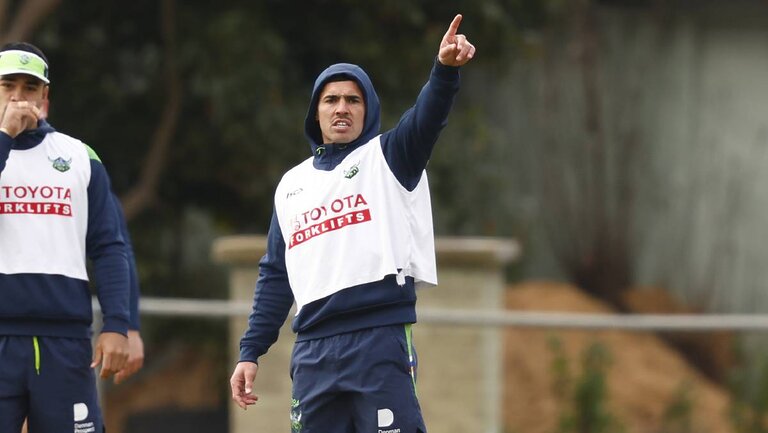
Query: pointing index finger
x=454, y=27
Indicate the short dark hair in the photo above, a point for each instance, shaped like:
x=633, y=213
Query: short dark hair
x=25, y=46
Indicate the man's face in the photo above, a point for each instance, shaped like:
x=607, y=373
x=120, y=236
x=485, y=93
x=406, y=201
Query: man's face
x=22, y=87
x=341, y=112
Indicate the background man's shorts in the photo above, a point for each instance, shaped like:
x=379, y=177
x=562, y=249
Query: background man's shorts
x=50, y=381
x=361, y=381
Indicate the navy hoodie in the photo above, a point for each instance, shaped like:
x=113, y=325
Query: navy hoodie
x=59, y=306
x=407, y=148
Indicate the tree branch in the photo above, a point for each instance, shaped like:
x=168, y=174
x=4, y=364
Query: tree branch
x=143, y=194
x=26, y=20
x=3, y=13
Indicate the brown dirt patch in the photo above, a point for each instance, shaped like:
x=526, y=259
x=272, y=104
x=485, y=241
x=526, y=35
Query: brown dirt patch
x=644, y=377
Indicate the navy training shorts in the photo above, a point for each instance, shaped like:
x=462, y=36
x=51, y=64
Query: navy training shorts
x=48, y=380
x=358, y=382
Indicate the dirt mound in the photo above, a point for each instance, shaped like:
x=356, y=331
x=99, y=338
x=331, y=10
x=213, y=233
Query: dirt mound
x=644, y=379
x=711, y=352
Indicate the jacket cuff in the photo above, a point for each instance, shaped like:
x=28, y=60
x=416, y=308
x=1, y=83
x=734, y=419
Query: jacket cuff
x=249, y=354
x=444, y=72
x=114, y=324
x=6, y=143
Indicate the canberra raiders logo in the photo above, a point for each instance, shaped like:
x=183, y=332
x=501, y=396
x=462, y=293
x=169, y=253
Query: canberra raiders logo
x=61, y=164
x=296, y=425
x=352, y=171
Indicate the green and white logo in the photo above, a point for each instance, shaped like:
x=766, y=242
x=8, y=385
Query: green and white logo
x=61, y=164
x=296, y=425
x=352, y=171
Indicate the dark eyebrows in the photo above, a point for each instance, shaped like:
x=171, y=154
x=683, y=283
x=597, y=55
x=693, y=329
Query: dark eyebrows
x=333, y=97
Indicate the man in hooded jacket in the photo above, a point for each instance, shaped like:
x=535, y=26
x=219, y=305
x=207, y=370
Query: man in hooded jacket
x=349, y=242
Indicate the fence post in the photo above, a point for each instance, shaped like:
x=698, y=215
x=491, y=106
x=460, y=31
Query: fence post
x=460, y=375
x=460, y=380
x=273, y=385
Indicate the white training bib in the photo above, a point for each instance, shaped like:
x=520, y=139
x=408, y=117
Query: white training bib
x=44, y=208
x=353, y=225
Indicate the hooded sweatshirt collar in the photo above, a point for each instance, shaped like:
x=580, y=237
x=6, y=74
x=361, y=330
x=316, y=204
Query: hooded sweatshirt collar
x=327, y=156
x=32, y=137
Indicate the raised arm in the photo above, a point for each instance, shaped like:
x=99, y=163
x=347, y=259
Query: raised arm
x=16, y=116
x=408, y=147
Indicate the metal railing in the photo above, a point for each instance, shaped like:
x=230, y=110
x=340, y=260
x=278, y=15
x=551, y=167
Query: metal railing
x=185, y=307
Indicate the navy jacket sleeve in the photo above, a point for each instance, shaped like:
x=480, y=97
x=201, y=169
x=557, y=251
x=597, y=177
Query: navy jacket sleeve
x=133, y=274
x=134, y=319
x=272, y=298
x=105, y=247
x=408, y=147
x=6, y=142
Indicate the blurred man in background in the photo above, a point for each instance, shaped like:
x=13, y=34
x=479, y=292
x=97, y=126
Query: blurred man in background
x=135, y=342
x=350, y=240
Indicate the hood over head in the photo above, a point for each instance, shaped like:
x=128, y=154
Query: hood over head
x=372, y=109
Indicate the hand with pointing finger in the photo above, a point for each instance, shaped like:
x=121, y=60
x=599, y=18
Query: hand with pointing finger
x=455, y=49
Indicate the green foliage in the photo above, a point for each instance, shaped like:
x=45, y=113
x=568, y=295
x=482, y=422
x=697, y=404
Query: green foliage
x=749, y=407
x=245, y=70
x=585, y=393
x=678, y=415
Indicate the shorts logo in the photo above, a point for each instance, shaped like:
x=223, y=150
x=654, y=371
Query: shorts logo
x=81, y=411
x=295, y=416
x=386, y=417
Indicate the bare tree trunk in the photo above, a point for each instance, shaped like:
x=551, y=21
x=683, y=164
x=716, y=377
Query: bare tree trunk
x=586, y=194
x=604, y=268
x=3, y=12
x=143, y=194
x=21, y=26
